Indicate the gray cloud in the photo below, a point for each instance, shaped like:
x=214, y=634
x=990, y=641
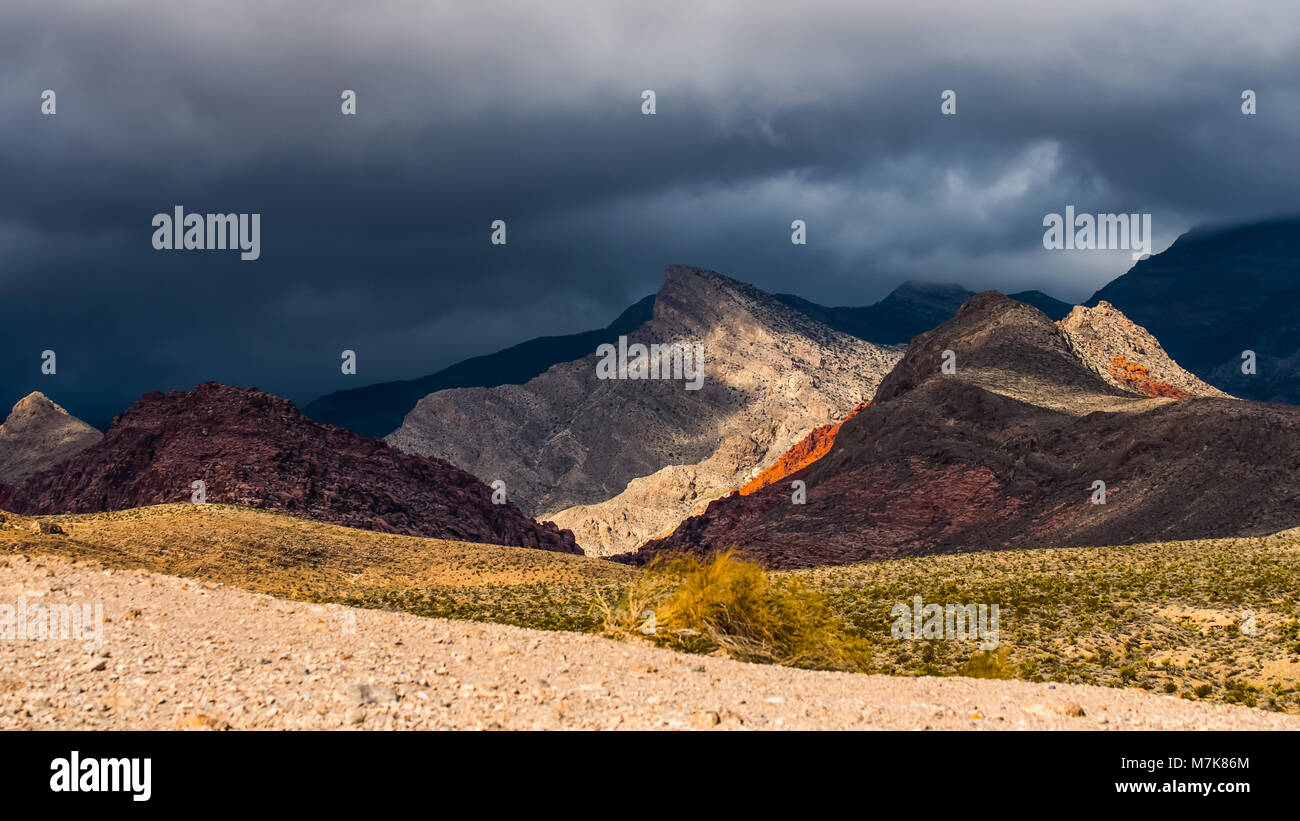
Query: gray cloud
x=375, y=227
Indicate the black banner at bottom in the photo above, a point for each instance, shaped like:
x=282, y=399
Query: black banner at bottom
x=148, y=771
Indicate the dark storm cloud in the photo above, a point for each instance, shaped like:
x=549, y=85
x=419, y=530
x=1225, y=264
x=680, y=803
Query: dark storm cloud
x=375, y=227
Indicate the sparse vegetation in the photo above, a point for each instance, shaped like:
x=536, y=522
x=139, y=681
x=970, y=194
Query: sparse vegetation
x=1165, y=617
x=988, y=664
x=731, y=607
x=561, y=606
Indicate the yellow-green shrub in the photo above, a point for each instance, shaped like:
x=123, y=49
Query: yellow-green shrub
x=728, y=606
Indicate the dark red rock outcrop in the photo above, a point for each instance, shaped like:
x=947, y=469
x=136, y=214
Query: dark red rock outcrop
x=257, y=450
x=1004, y=452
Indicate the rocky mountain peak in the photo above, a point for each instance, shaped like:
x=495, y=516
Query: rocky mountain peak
x=39, y=434
x=1078, y=365
x=698, y=302
x=618, y=460
x=997, y=343
x=1126, y=355
x=32, y=404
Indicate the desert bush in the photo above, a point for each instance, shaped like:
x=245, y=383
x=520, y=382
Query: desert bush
x=728, y=606
x=988, y=664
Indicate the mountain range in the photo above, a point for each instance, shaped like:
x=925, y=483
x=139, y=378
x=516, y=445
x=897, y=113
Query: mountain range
x=616, y=462
x=910, y=309
x=621, y=460
x=1006, y=449
x=378, y=410
x=978, y=437
x=621, y=499
x=253, y=449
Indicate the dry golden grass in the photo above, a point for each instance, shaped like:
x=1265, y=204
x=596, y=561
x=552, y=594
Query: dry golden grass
x=285, y=556
x=730, y=607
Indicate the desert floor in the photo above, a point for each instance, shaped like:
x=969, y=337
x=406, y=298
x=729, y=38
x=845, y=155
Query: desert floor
x=178, y=653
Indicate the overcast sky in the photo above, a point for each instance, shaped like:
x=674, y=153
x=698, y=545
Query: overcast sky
x=375, y=227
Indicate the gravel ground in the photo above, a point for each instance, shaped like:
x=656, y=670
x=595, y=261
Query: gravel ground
x=180, y=654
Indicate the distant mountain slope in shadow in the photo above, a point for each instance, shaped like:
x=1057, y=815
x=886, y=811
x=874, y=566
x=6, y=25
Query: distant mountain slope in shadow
x=1055, y=309
x=1005, y=452
x=1217, y=292
x=910, y=309
x=257, y=450
x=377, y=410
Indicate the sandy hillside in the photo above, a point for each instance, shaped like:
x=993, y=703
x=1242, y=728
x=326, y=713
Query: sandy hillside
x=269, y=552
x=183, y=654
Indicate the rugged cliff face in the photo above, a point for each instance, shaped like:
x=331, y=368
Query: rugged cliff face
x=621, y=460
x=39, y=434
x=253, y=449
x=1005, y=451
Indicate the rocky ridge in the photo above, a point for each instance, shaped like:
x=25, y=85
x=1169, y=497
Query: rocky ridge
x=253, y=449
x=1006, y=452
x=1126, y=355
x=620, y=460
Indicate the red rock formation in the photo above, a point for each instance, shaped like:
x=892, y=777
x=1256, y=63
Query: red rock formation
x=1125, y=354
x=257, y=450
x=1135, y=377
x=808, y=450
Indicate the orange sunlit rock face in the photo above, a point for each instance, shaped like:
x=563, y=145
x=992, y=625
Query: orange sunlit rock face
x=808, y=450
x=1135, y=377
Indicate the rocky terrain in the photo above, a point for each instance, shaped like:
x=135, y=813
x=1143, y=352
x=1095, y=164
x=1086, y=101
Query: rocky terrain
x=257, y=450
x=39, y=434
x=1126, y=355
x=377, y=410
x=620, y=460
x=1005, y=451
x=181, y=654
x=1220, y=291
